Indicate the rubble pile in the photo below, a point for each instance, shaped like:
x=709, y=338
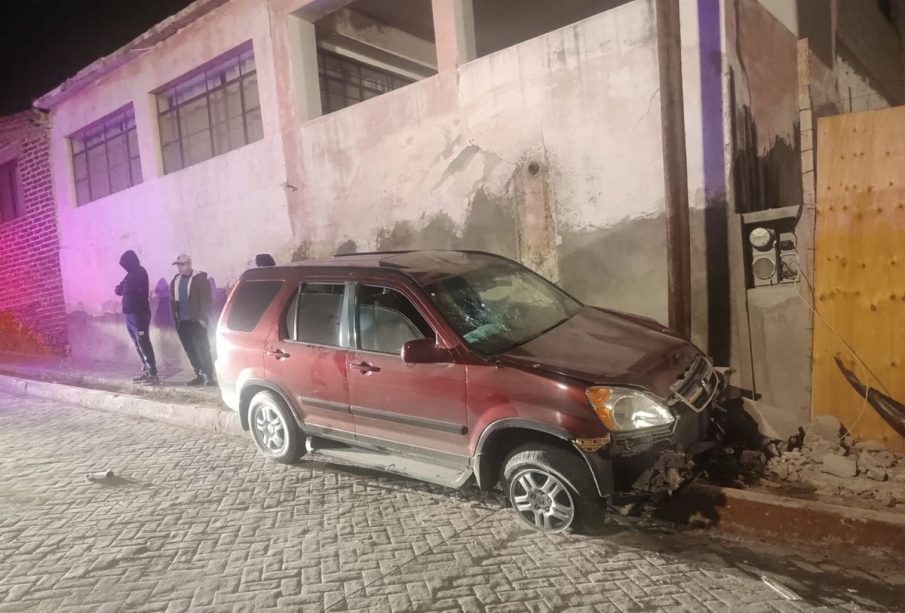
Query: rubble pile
x=826, y=461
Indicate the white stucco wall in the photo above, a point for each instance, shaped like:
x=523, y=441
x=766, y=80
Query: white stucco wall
x=412, y=168
x=221, y=211
x=549, y=152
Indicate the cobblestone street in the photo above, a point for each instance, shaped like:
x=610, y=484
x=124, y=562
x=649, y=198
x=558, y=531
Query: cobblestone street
x=196, y=521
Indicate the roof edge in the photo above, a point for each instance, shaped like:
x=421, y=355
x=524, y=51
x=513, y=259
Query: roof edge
x=125, y=54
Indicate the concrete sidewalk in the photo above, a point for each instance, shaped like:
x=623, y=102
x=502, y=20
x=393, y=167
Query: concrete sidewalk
x=108, y=387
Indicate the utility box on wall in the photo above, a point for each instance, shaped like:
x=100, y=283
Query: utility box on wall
x=779, y=321
x=771, y=247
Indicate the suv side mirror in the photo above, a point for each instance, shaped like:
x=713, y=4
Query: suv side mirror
x=424, y=351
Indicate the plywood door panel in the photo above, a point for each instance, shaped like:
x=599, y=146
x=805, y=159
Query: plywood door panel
x=859, y=285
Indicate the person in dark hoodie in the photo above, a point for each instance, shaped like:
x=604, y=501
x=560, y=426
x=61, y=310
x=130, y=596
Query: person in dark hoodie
x=137, y=309
x=190, y=303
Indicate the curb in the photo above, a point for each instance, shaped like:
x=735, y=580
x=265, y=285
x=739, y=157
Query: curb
x=194, y=415
x=785, y=518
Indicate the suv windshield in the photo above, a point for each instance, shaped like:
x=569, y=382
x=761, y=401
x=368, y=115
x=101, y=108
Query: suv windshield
x=500, y=306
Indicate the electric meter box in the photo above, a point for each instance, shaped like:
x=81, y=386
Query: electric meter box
x=770, y=246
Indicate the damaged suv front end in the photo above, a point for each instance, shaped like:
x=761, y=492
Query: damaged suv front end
x=654, y=440
x=628, y=394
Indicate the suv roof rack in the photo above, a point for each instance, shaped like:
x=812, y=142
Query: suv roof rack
x=343, y=255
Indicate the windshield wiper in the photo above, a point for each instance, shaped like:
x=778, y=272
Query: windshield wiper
x=524, y=341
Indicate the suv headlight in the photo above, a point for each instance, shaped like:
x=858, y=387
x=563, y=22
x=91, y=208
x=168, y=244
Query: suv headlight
x=627, y=409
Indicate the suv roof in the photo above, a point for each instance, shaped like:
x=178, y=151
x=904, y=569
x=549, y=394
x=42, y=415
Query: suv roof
x=424, y=266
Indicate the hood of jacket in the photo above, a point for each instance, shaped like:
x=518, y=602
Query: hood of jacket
x=129, y=261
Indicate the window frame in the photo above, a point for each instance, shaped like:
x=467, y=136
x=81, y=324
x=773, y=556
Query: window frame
x=398, y=81
x=354, y=323
x=171, y=104
x=17, y=206
x=291, y=336
x=81, y=147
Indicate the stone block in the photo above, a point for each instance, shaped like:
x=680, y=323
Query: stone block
x=838, y=465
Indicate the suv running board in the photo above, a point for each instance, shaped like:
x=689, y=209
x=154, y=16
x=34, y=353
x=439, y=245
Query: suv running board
x=396, y=464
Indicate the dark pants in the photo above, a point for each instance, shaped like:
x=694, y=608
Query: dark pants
x=137, y=325
x=194, y=340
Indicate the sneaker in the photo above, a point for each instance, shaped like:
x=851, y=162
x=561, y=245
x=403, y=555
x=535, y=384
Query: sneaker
x=151, y=380
x=141, y=379
x=199, y=380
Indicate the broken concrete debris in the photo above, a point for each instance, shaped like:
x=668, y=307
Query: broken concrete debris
x=838, y=465
x=825, y=460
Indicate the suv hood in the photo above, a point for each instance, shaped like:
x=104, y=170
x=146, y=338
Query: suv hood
x=605, y=348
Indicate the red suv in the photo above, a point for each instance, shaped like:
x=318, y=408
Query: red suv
x=448, y=366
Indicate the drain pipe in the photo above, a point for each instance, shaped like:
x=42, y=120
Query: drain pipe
x=672, y=114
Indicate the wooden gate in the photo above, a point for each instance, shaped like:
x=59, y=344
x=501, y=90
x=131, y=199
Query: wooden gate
x=859, y=289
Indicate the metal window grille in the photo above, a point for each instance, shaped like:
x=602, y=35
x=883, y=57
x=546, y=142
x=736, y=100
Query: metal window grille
x=210, y=111
x=9, y=192
x=345, y=82
x=105, y=156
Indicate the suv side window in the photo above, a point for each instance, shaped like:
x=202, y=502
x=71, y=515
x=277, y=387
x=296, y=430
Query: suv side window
x=386, y=320
x=316, y=313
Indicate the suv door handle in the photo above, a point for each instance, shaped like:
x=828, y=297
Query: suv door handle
x=277, y=354
x=364, y=367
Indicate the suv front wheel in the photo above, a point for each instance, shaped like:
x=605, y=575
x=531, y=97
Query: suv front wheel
x=273, y=429
x=551, y=490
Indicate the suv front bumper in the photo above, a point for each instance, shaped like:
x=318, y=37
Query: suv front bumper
x=657, y=461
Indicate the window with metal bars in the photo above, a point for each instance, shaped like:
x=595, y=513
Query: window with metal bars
x=210, y=111
x=10, y=207
x=105, y=156
x=345, y=82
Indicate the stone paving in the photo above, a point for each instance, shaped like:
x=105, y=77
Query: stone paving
x=192, y=520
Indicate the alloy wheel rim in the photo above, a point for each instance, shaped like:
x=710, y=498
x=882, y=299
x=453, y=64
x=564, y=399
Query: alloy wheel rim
x=270, y=429
x=542, y=500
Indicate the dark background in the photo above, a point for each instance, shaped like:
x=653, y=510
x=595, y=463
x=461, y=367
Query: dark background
x=44, y=42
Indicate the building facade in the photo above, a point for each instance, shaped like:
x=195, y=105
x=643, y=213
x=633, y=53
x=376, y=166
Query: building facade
x=304, y=128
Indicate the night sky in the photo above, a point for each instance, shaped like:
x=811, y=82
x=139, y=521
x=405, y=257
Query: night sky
x=44, y=42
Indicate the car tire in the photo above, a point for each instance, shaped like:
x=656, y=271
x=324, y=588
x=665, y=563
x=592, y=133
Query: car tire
x=552, y=491
x=273, y=428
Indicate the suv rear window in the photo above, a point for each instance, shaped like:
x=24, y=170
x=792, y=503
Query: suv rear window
x=251, y=300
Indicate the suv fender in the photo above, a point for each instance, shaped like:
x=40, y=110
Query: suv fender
x=486, y=461
x=250, y=387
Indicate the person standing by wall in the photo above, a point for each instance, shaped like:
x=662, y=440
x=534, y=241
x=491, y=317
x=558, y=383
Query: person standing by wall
x=137, y=309
x=190, y=300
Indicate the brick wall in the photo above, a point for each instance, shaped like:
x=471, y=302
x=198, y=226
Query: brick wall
x=32, y=311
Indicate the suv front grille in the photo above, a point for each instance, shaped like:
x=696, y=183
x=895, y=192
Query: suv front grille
x=697, y=386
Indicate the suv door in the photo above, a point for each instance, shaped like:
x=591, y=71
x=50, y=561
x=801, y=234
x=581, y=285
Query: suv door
x=415, y=409
x=309, y=354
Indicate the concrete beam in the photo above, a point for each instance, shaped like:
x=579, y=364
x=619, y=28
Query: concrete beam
x=360, y=30
x=454, y=32
x=309, y=10
x=303, y=65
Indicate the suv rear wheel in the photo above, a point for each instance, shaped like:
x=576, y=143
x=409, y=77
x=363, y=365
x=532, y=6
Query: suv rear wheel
x=551, y=490
x=273, y=429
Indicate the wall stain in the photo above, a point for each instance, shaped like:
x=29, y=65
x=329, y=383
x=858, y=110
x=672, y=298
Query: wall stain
x=489, y=225
x=301, y=253
x=622, y=266
x=347, y=247
x=764, y=179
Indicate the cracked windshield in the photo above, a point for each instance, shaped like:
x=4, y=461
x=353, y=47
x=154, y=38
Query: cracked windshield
x=501, y=306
